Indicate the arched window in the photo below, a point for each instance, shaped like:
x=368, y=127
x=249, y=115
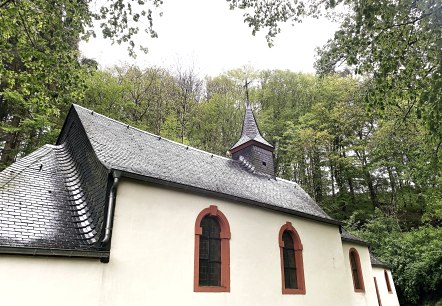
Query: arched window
x=356, y=272
x=377, y=292
x=212, y=251
x=387, y=280
x=292, y=266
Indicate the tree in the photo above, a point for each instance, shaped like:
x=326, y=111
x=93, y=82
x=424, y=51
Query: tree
x=187, y=93
x=217, y=120
x=41, y=72
x=415, y=257
x=269, y=14
x=144, y=98
x=397, y=46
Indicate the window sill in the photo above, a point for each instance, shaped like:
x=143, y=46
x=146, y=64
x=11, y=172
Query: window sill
x=211, y=289
x=293, y=291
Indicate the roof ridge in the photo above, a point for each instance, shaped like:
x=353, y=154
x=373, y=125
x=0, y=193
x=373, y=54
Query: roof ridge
x=152, y=134
x=76, y=196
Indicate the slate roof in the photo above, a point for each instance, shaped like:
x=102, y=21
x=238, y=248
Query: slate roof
x=377, y=262
x=250, y=130
x=54, y=201
x=346, y=236
x=43, y=205
x=121, y=147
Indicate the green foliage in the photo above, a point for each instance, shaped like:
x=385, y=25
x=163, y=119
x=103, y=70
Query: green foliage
x=269, y=14
x=41, y=72
x=415, y=257
x=398, y=45
x=151, y=99
x=170, y=104
x=219, y=116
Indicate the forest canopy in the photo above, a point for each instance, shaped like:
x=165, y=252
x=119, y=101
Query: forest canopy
x=363, y=137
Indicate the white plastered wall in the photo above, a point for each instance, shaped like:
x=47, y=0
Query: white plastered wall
x=152, y=259
x=368, y=297
x=387, y=298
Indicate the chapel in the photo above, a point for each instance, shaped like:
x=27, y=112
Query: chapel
x=113, y=215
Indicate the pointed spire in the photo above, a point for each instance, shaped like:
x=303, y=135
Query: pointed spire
x=250, y=131
x=252, y=150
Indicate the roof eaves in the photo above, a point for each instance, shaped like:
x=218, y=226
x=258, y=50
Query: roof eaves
x=376, y=262
x=361, y=242
x=248, y=143
x=54, y=252
x=381, y=265
x=226, y=196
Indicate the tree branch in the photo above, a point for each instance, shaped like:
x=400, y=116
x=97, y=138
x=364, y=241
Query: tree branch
x=4, y=3
x=412, y=21
x=27, y=30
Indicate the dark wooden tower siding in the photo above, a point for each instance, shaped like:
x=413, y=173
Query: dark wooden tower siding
x=252, y=147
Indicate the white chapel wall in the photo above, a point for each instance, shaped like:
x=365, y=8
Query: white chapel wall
x=152, y=259
x=368, y=297
x=154, y=227
x=387, y=298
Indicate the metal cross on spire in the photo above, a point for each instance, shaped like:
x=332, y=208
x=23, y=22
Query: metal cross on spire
x=246, y=86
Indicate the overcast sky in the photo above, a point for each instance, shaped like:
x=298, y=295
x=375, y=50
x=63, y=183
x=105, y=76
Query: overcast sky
x=209, y=37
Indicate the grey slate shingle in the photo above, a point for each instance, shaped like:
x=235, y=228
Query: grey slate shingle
x=346, y=236
x=131, y=150
x=38, y=208
x=55, y=198
x=250, y=130
x=377, y=262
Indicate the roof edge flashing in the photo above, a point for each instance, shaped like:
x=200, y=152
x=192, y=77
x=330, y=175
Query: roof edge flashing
x=361, y=242
x=249, y=143
x=54, y=252
x=229, y=197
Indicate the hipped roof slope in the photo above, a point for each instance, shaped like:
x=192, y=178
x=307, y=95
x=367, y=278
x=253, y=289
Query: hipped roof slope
x=144, y=155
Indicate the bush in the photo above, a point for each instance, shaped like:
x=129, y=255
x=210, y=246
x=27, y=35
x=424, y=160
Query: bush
x=415, y=257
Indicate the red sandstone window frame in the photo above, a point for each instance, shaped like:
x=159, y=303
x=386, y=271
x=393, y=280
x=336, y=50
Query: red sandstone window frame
x=298, y=259
x=213, y=211
x=354, y=252
x=387, y=281
x=377, y=292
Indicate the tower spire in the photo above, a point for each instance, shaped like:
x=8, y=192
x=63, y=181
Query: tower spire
x=251, y=146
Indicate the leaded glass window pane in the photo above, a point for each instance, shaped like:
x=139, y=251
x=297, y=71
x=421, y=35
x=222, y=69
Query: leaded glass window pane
x=354, y=270
x=290, y=277
x=210, y=253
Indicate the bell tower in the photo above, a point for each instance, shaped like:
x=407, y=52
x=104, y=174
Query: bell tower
x=252, y=150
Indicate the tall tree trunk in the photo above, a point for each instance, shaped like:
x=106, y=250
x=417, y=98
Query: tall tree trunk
x=392, y=180
x=371, y=189
x=352, y=190
x=317, y=176
x=332, y=177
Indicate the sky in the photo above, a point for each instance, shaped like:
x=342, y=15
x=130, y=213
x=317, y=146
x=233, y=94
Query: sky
x=204, y=35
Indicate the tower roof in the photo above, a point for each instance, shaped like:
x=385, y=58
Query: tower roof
x=250, y=131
